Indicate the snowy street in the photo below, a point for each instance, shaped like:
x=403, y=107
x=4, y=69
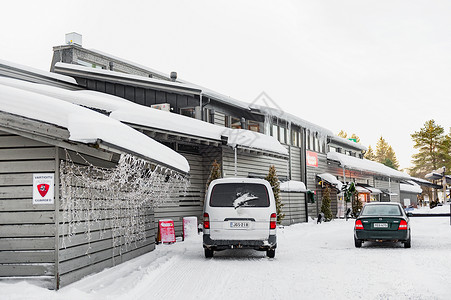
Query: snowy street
x=313, y=261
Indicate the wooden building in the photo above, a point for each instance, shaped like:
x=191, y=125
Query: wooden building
x=56, y=224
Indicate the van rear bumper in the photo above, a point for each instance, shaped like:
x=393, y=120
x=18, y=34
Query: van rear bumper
x=270, y=243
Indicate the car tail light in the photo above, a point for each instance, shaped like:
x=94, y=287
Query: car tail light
x=273, y=221
x=358, y=224
x=206, y=221
x=402, y=225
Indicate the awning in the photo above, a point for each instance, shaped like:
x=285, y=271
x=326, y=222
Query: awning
x=368, y=188
x=362, y=190
x=387, y=192
x=331, y=179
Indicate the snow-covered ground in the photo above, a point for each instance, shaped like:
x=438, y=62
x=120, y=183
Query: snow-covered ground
x=313, y=261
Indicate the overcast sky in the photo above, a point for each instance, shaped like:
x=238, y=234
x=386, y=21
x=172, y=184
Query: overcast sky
x=373, y=68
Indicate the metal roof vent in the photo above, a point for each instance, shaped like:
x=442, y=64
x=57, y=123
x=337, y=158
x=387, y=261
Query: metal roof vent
x=173, y=76
x=73, y=38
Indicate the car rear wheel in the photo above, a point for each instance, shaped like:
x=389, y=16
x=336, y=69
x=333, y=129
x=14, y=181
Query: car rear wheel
x=408, y=244
x=271, y=253
x=208, y=253
x=357, y=243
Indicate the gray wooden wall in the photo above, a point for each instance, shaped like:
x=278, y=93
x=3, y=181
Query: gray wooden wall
x=32, y=245
x=27, y=231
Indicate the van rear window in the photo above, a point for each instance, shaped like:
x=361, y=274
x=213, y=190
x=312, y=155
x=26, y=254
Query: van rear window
x=239, y=195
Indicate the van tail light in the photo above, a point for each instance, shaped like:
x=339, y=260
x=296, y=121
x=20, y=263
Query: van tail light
x=402, y=225
x=358, y=225
x=273, y=221
x=206, y=221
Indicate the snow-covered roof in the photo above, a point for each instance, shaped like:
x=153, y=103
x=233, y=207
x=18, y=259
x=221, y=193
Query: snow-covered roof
x=365, y=165
x=86, y=126
x=347, y=142
x=205, y=91
x=252, y=139
x=293, y=186
x=126, y=76
x=323, y=133
x=410, y=187
x=38, y=72
x=132, y=113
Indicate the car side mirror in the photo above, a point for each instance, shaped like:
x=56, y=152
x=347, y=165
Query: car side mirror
x=409, y=214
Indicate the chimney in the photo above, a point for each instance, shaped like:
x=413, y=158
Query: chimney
x=173, y=76
x=73, y=38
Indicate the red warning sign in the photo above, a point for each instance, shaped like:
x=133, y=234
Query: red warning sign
x=166, y=231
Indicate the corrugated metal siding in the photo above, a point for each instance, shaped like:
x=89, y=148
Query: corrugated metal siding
x=27, y=231
x=294, y=208
x=251, y=164
x=295, y=163
x=190, y=204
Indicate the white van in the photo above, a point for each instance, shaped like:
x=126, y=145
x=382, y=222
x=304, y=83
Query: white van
x=240, y=213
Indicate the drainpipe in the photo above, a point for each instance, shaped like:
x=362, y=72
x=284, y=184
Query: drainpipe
x=236, y=159
x=389, y=188
x=346, y=203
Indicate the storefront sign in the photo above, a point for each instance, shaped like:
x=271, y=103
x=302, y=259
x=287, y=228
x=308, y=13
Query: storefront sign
x=312, y=159
x=166, y=231
x=43, y=188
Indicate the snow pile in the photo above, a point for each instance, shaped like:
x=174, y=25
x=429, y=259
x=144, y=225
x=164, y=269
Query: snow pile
x=410, y=187
x=293, y=186
x=365, y=165
x=86, y=126
x=333, y=269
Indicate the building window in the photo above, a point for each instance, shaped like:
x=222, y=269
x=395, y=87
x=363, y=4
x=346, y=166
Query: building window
x=188, y=111
x=253, y=126
x=275, y=132
x=283, y=133
x=310, y=142
x=235, y=123
x=295, y=138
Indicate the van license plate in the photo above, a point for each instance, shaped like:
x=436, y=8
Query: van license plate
x=380, y=225
x=239, y=224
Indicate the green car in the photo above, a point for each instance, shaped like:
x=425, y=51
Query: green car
x=382, y=222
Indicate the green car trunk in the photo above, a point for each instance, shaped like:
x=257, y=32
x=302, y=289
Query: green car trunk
x=381, y=228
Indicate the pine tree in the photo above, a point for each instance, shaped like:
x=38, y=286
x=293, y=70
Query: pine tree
x=354, y=136
x=215, y=173
x=445, y=152
x=381, y=150
x=325, y=206
x=428, y=141
x=391, y=156
x=385, y=154
x=275, y=184
x=342, y=134
x=369, y=154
